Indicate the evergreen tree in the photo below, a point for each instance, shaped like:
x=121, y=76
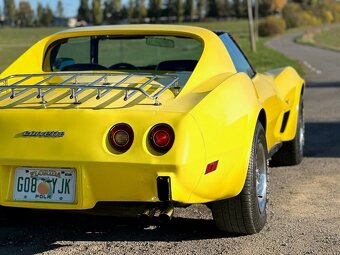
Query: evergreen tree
x=83, y=11
x=97, y=12
x=264, y=8
x=130, y=11
x=155, y=10
x=60, y=9
x=212, y=9
x=40, y=14
x=48, y=16
x=240, y=8
x=9, y=11
x=108, y=12
x=216, y=8
x=170, y=8
x=139, y=10
x=189, y=10
x=227, y=8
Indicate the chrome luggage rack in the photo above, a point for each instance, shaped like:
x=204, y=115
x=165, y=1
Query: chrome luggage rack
x=18, y=84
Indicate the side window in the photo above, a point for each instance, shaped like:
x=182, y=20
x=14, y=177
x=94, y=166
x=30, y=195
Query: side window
x=240, y=61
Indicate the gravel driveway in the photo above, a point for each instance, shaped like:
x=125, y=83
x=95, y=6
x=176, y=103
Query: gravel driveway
x=304, y=205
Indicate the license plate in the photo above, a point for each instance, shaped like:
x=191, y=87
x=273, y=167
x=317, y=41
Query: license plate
x=55, y=185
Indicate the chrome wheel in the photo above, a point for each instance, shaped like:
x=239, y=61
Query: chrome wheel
x=302, y=129
x=246, y=213
x=261, y=177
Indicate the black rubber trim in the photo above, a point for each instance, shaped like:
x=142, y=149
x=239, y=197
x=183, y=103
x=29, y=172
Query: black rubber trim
x=284, y=121
x=164, y=188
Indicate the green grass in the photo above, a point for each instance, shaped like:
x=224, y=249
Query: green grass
x=264, y=59
x=14, y=41
x=324, y=37
x=329, y=38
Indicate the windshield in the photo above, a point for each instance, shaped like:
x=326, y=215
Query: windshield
x=118, y=52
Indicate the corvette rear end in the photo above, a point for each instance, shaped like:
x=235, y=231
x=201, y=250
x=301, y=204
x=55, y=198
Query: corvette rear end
x=145, y=118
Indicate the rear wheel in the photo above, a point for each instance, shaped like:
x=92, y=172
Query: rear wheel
x=291, y=152
x=246, y=213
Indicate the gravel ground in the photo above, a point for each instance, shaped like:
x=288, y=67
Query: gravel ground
x=304, y=207
x=303, y=219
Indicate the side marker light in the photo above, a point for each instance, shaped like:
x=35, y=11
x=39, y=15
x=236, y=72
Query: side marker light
x=211, y=167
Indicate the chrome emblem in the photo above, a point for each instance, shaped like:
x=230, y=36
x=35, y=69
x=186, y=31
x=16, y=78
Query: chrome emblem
x=43, y=133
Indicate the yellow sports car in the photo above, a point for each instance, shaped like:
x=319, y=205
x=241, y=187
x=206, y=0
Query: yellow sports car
x=139, y=119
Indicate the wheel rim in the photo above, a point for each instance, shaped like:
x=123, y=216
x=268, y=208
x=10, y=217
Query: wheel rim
x=261, y=177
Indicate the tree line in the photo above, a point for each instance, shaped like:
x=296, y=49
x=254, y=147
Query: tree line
x=98, y=12
x=133, y=11
x=24, y=16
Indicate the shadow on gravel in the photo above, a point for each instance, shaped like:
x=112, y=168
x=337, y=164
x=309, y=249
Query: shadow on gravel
x=322, y=140
x=31, y=232
x=335, y=84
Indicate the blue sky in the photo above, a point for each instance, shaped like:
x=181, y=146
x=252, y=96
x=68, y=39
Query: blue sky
x=70, y=6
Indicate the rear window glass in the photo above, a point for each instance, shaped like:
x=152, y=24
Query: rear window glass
x=156, y=52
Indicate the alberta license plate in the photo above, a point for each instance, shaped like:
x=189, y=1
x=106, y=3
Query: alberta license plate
x=55, y=185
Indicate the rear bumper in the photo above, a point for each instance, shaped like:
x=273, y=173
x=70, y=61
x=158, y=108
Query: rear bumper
x=107, y=182
x=134, y=176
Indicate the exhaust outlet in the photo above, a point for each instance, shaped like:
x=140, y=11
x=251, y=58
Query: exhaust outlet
x=166, y=215
x=146, y=217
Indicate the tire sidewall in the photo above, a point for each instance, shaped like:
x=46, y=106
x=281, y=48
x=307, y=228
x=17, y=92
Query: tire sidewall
x=260, y=218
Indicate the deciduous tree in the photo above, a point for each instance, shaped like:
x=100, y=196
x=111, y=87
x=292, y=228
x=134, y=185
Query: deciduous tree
x=201, y=9
x=189, y=10
x=97, y=12
x=83, y=11
x=274, y=5
x=9, y=12
x=25, y=14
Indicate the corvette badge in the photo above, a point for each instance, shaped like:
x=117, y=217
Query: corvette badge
x=43, y=133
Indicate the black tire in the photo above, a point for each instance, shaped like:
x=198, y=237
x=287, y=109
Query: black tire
x=291, y=152
x=246, y=213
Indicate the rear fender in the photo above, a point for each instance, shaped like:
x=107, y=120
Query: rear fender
x=227, y=118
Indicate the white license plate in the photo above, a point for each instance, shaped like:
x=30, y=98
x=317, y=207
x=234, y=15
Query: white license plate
x=55, y=185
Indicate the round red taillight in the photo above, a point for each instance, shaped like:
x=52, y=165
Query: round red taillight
x=161, y=137
x=121, y=137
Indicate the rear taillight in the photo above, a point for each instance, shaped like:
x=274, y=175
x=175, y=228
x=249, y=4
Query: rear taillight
x=121, y=137
x=161, y=137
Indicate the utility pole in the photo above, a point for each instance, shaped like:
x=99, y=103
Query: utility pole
x=251, y=26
